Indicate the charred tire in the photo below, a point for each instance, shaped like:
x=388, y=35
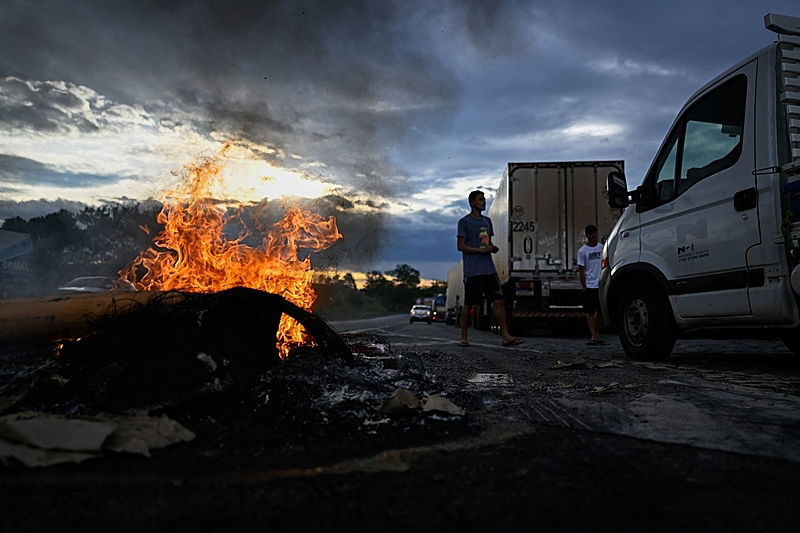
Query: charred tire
x=646, y=327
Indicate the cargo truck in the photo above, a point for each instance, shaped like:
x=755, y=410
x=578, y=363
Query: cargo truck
x=437, y=305
x=709, y=241
x=439, y=308
x=539, y=214
x=455, y=293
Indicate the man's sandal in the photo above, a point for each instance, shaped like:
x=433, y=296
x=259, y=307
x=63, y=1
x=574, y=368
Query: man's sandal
x=514, y=342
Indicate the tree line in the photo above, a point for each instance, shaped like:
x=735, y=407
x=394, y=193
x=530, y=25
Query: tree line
x=97, y=241
x=100, y=241
x=339, y=296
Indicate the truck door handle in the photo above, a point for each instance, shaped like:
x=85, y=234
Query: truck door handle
x=625, y=234
x=746, y=199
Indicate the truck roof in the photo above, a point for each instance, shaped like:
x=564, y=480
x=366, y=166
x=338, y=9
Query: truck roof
x=591, y=162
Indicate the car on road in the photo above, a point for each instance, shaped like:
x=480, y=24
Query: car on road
x=422, y=313
x=96, y=284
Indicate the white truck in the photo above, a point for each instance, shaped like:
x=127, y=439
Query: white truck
x=709, y=240
x=539, y=214
x=455, y=293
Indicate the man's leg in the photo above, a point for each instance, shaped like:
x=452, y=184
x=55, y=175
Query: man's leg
x=596, y=317
x=590, y=324
x=592, y=309
x=598, y=322
x=464, y=319
x=502, y=322
x=596, y=331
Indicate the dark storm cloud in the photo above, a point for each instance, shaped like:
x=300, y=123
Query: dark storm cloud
x=36, y=208
x=14, y=169
x=362, y=231
x=631, y=64
x=501, y=28
x=696, y=36
x=42, y=106
x=385, y=92
x=411, y=242
x=332, y=80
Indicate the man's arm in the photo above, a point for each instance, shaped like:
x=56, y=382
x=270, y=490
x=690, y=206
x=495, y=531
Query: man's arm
x=462, y=246
x=582, y=266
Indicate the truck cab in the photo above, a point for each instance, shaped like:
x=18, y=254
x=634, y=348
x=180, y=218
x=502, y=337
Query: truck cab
x=709, y=239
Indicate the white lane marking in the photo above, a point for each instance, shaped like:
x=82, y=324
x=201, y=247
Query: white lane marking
x=448, y=340
x=552, y=412
x=567, y=414
x=451, y=341
x=540, y=413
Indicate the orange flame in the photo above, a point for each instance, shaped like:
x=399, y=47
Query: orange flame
x=192, y=253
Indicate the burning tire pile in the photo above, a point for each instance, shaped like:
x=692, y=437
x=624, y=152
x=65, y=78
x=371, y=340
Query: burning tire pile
x=206, y=342
x=215, y=371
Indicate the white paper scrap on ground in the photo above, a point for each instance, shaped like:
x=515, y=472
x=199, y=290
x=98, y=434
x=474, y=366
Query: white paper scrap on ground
x=41, y=439
x=441, y=404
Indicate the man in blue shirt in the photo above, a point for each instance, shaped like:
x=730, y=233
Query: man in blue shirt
x=474, y=241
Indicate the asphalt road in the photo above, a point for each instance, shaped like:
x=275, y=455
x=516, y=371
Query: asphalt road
x=739, y=396
x=556, y=436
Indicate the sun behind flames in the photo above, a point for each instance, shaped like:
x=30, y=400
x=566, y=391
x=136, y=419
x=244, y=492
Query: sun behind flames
x=192, y=253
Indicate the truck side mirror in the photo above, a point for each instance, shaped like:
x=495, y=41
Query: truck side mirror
x=617, y=190
x=642, y=196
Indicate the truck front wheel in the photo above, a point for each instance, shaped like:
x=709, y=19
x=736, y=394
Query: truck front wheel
x=646, y=326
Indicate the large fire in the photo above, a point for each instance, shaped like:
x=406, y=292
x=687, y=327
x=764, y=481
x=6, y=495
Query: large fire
x=192, y=253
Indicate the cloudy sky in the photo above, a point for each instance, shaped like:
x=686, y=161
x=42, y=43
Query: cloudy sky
x=402, y=107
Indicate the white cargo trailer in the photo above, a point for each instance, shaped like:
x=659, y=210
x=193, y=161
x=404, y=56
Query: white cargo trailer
x=539, y=214
x=455, y=292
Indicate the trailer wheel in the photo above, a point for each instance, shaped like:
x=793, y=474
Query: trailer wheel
x=646, y=327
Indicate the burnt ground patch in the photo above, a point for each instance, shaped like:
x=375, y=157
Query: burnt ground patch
x=552, y=479
x=303, y=445
x=308, y=410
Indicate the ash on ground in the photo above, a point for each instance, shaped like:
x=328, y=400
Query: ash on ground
x=311, y=408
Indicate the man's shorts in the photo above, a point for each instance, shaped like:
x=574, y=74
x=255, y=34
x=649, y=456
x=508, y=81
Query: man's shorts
x=478, y=288
x=591, y=301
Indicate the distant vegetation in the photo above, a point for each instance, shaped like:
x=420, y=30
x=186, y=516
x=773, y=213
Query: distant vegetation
x=100, y=241
x=339, y=297
x=97, y=241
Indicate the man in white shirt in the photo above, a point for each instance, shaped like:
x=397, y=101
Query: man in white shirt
x=590, y=256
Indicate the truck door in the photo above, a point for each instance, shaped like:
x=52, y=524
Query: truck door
x=702, y=217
